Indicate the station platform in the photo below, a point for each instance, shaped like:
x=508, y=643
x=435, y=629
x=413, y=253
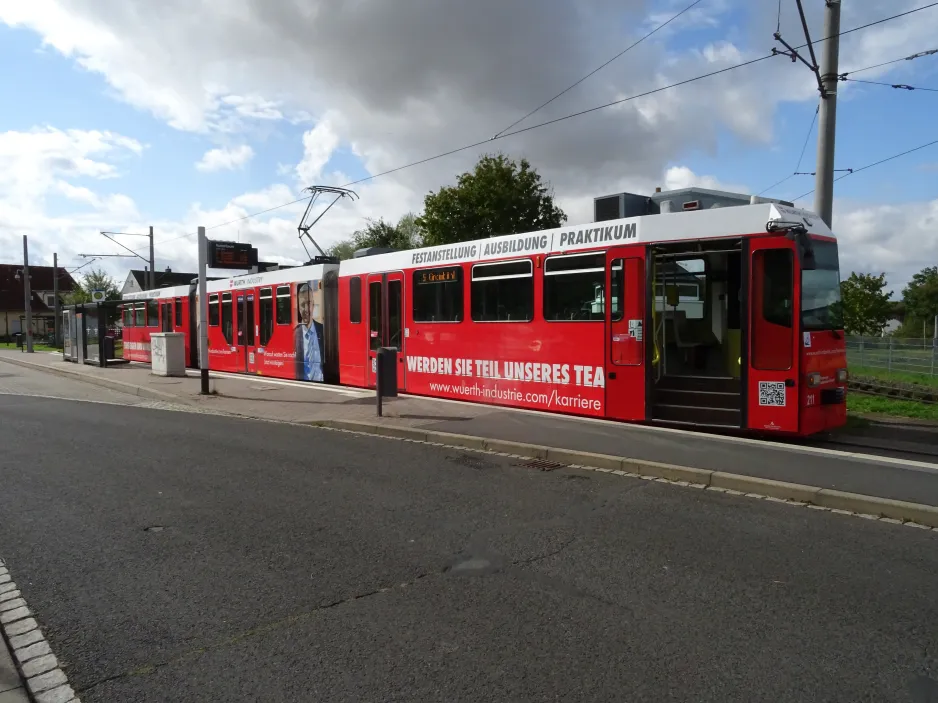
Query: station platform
x=876, y=467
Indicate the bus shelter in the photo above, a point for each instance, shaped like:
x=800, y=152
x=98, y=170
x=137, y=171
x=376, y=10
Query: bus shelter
x=89, y=337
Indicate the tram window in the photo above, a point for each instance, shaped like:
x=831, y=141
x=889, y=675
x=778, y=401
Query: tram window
x=178, y=312
x=167, y=317
x=153, y=316
x=267, y=315
x=617, y=294
x=772, y=332
x=128, y=316
x=777, y=286
x=395, y=310
x=284, y=306
x=438, y=295
x=249, y=324
x=213, y=310
x=226, y=317
x=574, y=287
x=140, y=315
x=374, y=314
x=239, y=310
x=503, y=292
x=355, y=300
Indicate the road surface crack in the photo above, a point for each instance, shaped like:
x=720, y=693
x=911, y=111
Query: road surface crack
x=548, y=555
x=267, y=628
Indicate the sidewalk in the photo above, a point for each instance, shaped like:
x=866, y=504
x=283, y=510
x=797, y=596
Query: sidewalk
x=702, y=457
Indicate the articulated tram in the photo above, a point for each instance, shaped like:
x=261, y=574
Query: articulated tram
x=726, y=317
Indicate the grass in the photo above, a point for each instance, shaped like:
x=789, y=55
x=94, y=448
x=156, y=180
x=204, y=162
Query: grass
x=895, y=376
x=858, y=405
x=36, y=347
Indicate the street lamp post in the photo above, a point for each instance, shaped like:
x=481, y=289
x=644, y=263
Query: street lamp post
x=27, y=295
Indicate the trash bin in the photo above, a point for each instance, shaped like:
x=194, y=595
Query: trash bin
x=18, y=338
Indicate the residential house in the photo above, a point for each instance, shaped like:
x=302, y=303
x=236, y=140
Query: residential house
x=42, y=303
x=138, y=280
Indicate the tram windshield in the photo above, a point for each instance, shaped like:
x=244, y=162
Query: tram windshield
x=820, y=290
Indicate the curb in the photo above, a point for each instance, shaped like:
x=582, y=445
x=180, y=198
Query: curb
x=41, y=673
x=109, y=383
x=829, y=499
x=901, y=511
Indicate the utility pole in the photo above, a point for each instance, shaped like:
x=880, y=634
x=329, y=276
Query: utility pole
x=153, y=264
x=827, y=116
x=27, y=294
x=203, y=311
x=55, y=294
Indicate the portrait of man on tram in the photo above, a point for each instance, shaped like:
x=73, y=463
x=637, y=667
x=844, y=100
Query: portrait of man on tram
x=307, y=336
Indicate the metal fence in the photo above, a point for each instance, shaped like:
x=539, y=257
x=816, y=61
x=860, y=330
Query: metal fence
x=900, y=359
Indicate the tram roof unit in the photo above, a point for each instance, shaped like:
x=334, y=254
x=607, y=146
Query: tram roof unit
x=692, y=225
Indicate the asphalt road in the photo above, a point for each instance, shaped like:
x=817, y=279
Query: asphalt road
x=296, y=564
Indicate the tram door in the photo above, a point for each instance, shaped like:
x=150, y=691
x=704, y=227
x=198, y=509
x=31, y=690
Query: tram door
x=166, y=316
x=774, y=339
x=625, y=333
x=247, y=330
x=385, y=322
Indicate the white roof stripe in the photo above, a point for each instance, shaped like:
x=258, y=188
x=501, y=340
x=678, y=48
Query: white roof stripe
x=669, y=227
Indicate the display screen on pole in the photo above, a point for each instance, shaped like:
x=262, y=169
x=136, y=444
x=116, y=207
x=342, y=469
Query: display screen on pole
x=231, y=255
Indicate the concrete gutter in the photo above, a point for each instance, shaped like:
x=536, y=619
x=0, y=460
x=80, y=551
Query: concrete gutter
x=898, y=510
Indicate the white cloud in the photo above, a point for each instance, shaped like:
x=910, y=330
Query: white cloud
x=895, y=240
x=319, y=143
x=439, y=74
x=225, y=158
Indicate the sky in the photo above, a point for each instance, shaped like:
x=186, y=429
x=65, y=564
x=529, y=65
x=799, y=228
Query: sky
x=119, y=115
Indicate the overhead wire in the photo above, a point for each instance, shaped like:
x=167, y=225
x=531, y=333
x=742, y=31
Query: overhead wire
x=900, y=86
x=800, y=158
x=571, y=116
x=599, y=68
x=911, y=57
x=876, y=163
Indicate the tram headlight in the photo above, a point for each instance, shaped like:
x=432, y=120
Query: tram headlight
x=814, y=380
x=841, y=375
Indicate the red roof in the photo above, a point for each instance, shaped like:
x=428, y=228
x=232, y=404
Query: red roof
x=40, y=278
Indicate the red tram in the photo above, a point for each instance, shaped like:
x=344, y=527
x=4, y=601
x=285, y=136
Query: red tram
x=728, y=317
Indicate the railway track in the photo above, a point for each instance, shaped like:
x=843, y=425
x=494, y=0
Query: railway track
x=896, y=391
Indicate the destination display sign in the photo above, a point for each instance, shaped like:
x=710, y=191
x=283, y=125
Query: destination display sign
x=231, y=255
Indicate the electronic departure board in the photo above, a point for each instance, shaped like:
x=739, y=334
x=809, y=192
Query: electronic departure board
x=231, y=255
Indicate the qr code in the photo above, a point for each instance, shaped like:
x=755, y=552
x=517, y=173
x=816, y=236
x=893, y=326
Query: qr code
x=772, y=393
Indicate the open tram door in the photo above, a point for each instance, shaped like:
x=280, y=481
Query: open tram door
x=696, y=324
x=385, y=322
x=774, y=343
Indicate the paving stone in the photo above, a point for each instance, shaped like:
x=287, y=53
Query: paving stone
x=62, y=694
x=29, y=638
x=9, y=595
x=46, y=682
x=35, y=667
x=14, y=615
x=21, y=627
x=12, y=604
x=39, y=649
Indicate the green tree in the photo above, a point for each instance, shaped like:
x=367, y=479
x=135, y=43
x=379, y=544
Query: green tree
x=379, y=233
x=342, y=250
x=865, y=303
x=920, y=298
x=499, y=196
x=95, y=279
